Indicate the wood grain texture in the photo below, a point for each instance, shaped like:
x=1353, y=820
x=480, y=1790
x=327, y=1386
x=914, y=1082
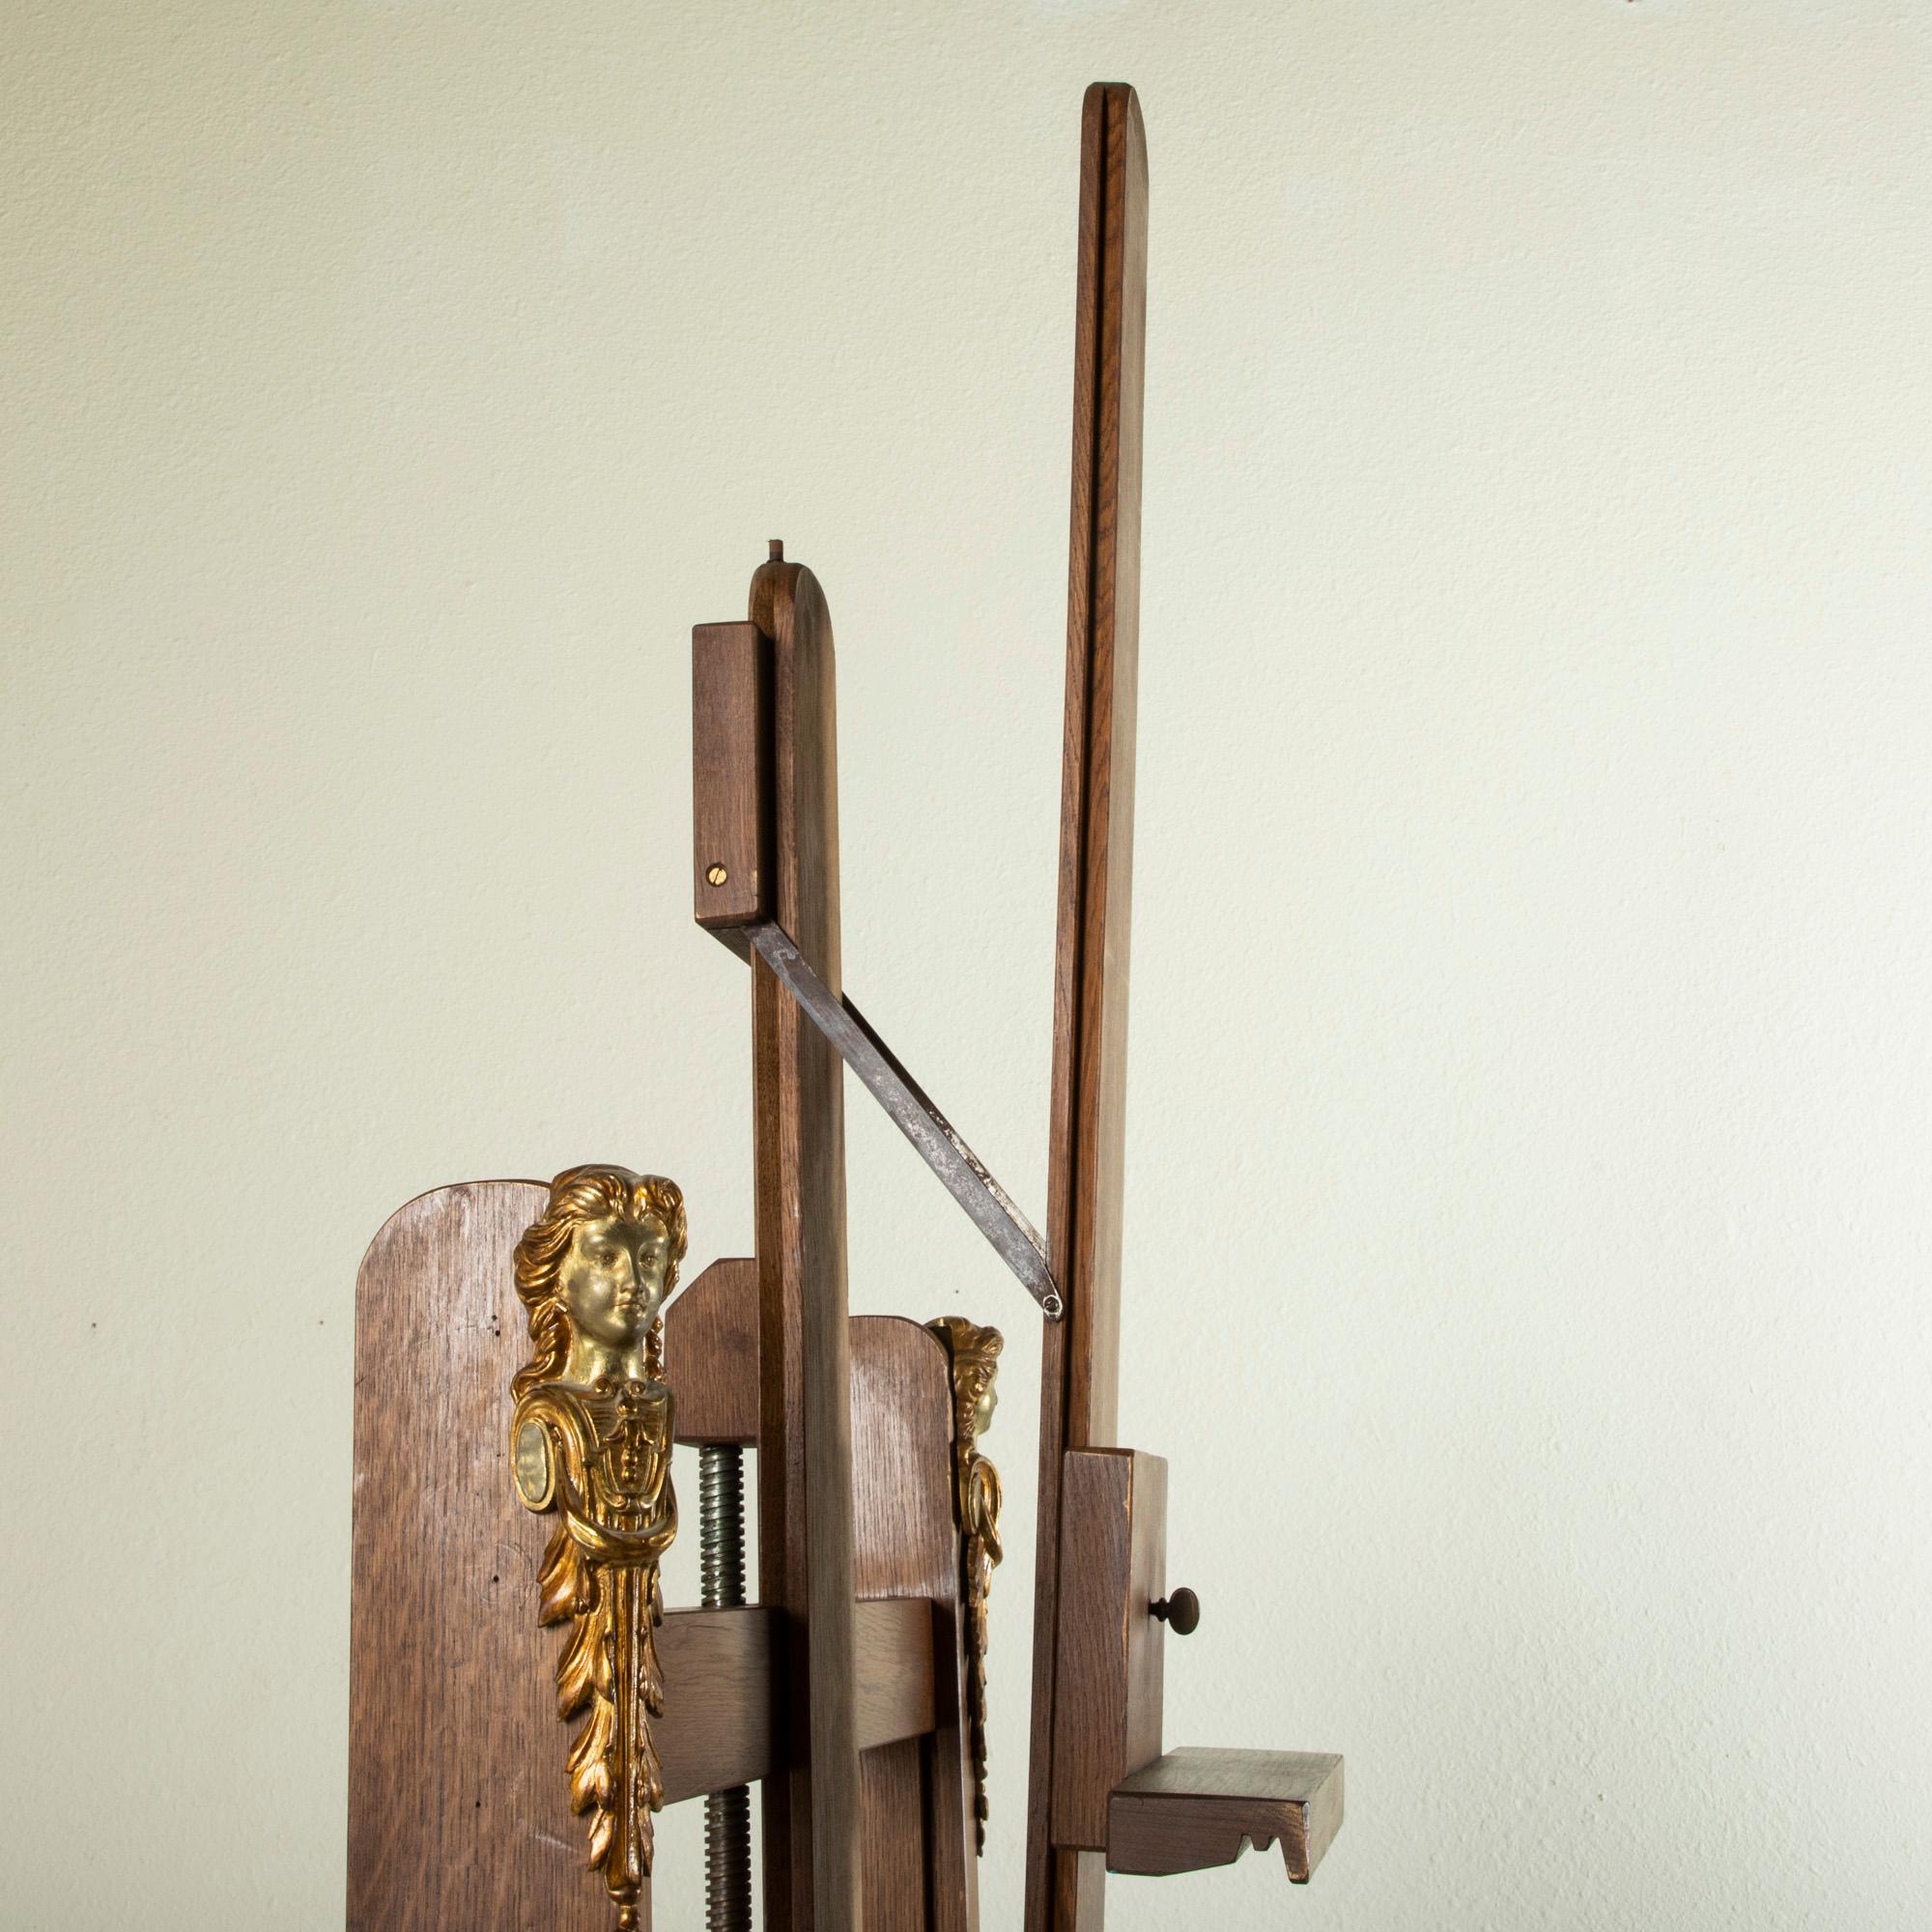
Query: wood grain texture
x=711, y=1355
x=458, y=1810
x=811, y=1810
x=1195, y=1809
x=1113, y=1564
x=920, y=1868
x=1079, y=1369
x=894, y=1693
x=731, y=758
x=720, y=1696
x=717, y=1726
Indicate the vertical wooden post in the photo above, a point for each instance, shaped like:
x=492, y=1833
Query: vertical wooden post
x=805, y=1463
x=1080, y=1361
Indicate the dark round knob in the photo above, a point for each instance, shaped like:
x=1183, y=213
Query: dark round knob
x=1179, y=1612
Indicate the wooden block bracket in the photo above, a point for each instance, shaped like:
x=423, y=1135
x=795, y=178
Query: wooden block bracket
x=1190, y=1809
x=1113, y=1565
x=730, y=780
x=717, y=1726
x=1114, y=1791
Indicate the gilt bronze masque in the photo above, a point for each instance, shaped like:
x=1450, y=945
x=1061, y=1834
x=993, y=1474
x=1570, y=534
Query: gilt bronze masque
x=590, y=1437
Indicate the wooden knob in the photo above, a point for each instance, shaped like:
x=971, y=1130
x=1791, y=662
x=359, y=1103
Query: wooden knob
x=1180, y=1612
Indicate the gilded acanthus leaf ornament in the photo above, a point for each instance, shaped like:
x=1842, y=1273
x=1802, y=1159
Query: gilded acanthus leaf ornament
x=590, y=1440
x=975, y=1366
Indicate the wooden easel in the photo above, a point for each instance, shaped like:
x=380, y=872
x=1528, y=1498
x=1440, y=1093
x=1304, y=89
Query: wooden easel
x=847, y=1690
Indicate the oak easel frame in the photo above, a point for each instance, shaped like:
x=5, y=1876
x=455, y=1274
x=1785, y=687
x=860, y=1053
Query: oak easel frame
x=841, y=1689
x=1102, y=1793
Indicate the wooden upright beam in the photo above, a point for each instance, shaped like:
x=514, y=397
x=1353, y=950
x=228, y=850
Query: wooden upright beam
x=805, y=1465
x=1080, y=1362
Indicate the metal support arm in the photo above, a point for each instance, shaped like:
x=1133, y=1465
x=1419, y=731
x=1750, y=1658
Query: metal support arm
x=988, y=1205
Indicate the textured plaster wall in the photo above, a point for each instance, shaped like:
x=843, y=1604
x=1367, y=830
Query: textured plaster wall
x=1528, y=1166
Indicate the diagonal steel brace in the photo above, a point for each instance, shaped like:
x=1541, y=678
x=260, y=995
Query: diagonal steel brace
x=987, y=1204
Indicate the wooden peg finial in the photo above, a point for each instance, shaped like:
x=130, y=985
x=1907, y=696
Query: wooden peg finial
x=778, y=549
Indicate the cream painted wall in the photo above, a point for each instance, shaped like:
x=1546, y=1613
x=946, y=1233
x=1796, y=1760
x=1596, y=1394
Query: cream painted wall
x=1528, y=1198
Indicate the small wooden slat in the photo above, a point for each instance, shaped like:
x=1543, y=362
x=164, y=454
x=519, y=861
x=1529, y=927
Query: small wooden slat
x=1080, y=1357
x=720, y=1700
x=711, y=1355
x=1195, y=1809
x=1113, y=1564
x=811, y=1810
x=717, y=1728
x=894, y=1695
x=731, y=758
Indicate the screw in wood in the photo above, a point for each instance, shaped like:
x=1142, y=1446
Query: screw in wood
x=717, y=875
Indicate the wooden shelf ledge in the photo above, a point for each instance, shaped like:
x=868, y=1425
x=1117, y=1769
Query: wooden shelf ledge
x=1190, y=1809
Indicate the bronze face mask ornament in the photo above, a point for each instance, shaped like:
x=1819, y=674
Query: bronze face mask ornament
x=590, y=1438
x=976, y=1364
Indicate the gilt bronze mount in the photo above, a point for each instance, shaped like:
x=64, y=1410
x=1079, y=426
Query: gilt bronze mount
x=975, y=1356
x=590, y=1440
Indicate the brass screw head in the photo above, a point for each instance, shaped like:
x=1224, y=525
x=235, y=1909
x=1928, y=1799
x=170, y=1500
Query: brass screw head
x=717, y=875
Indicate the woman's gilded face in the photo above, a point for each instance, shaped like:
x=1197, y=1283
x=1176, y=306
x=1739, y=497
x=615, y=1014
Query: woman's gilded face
x=612, y=1278
x=983, y=1410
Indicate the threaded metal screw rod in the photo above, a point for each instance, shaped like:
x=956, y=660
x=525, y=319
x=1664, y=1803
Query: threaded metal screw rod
x=728, y=1814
